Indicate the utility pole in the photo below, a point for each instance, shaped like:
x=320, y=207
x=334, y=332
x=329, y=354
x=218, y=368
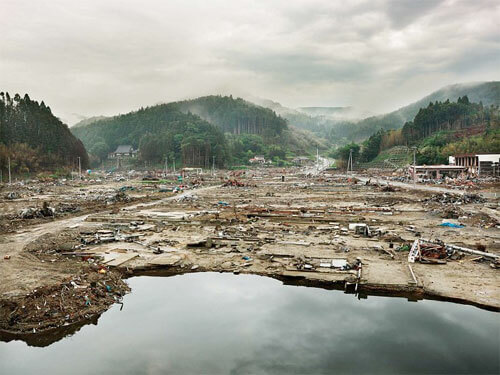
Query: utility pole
x=166, y=166
x=213, y=165
x=174, y=165
x=414, y=166
x=349, y=162
x=317, y=159
x=79, y=168
x=10, y=177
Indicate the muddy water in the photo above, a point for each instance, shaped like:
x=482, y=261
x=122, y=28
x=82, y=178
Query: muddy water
x=222, y=323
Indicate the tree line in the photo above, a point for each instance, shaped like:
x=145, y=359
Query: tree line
x=438, y=130
x=236, y=116
x=197, y=132
x=34, y=139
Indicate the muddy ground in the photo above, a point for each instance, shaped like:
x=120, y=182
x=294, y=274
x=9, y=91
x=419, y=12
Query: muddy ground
x=64, y=270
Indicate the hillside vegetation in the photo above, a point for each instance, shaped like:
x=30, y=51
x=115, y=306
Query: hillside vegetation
x=34, y=138
x=487, y=93
x=439, y=130
x=235, y=116
x=198, y=132
x=158, y=132
x=339, y=125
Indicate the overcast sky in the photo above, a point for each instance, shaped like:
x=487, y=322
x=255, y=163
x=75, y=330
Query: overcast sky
x=103, y=57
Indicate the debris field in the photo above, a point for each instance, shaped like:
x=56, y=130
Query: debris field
x=326, y=230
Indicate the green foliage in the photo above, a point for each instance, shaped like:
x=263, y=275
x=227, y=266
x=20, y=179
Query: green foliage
x=448, y=116
x=430, y=155
x=235, y=116
x=488, y=93
x=438, y=126
x=342, y=153
x=371, y=147
x=192, y=133
x=158, y=132
x=28, y=127
x=100, y=149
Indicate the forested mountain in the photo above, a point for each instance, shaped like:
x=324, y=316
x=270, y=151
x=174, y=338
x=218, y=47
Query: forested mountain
x=195, y=131
x=326, y=111
x=340, y=126
x=34, y=138
x=486, y=92
x=159, y=131
x=235, y=116
x=88, y=121
x=440, y=129
x=319, y=125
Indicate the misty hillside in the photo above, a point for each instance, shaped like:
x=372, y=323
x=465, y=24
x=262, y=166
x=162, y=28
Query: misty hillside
x=325, y=111
x=158, y=131
x=235, y=116
x=486, y=92
x=194, y=131
x=440, y=129
x=34, y=138
x=340, y=124
x=88, y=121
x=319, y=125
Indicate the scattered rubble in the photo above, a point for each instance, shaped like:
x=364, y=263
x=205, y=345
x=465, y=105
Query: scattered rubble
x=32, y=212
x=446, y=198
x=326, y=230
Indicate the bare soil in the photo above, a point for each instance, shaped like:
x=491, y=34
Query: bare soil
x=72, y=268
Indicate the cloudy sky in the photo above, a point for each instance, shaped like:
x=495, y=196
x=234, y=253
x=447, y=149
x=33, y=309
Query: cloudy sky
x=103, y=57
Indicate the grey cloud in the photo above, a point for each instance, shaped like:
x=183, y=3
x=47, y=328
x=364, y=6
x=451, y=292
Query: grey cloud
x=405, y=12
x=99, y=58
x=296, y=68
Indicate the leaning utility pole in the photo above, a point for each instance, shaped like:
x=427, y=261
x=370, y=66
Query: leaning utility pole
x=10, y=177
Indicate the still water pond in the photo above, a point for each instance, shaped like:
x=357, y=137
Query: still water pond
x=226, y=324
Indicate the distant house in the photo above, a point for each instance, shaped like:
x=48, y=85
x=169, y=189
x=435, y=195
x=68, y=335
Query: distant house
x=302, y=160
x=123, y=151
x=258, y=159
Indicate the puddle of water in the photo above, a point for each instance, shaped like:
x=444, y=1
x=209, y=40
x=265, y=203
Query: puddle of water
x=222, y=323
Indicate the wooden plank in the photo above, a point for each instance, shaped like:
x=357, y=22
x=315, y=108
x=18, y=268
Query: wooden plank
x=121, y=259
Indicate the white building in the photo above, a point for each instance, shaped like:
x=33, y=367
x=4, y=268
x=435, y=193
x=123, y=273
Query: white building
x=478, y=164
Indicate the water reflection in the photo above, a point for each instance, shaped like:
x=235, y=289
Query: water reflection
x=222, y=323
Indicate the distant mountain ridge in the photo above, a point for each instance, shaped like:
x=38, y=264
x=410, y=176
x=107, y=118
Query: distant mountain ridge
x=486, y=92
x=88, y=121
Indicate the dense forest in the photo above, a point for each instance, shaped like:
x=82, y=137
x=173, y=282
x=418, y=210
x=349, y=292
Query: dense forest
x=330, y=125
x=158, y=132
x=486, y=92
x=235, y=116
x=198, y=132
x=441, y=129
x=34, y=139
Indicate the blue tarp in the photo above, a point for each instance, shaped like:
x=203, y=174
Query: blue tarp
x=452, y=225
